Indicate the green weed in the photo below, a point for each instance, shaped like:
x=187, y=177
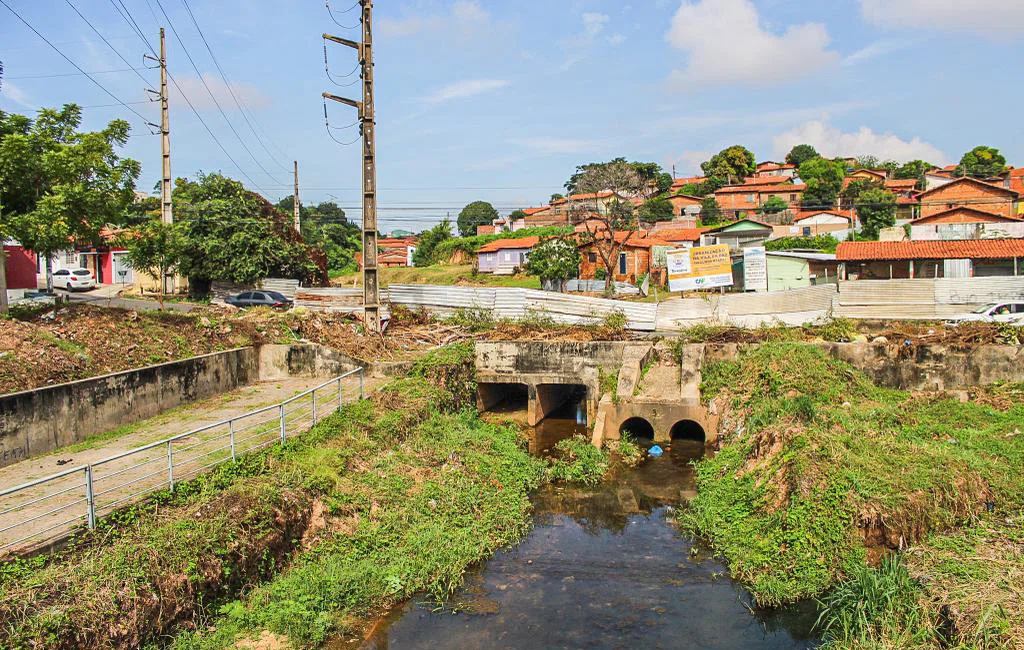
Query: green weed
x=578, y=461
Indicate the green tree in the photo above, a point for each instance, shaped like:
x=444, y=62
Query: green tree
x=556, y=197
x=231, y=234
x=823, y=243
x=710, y=211
x=730, y=165
x=429, y=239
x=824, y=179
x=609, y=227
x=554, y=260
x=477, y=213
x=876, y=209
x=154, y=248
x=915, y=169
x=516, y=215
x=800, y=154
x=658, y=208
x=653, y=179
x=982, y=162
x=773, y=205
x=857, y=187
x=58, y=186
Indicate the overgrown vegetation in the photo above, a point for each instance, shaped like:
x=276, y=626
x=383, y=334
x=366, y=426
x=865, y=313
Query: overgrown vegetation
x=824, y=472
x=382, y=500
x=578, y=461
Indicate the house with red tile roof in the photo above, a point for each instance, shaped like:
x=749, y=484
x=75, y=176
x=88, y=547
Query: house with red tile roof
x=866, y=260
x=810, y=223
x=505, y=256
x=634, y=256
x=965, y=223
x=771, y=168
x=969, y=192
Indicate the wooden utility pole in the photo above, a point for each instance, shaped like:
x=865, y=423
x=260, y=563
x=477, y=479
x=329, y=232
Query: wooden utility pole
x=166, y=216
x=371, y=296
x=296, y=205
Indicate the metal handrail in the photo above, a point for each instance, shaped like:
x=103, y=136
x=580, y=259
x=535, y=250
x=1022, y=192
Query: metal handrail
x=279, y=426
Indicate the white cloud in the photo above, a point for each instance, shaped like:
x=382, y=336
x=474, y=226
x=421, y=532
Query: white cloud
x=557, y=145
x=192, y=86
x=726, y=44
x=688, y=162
x=831, y=142
x=14, y=93
x=461, y=89
x=593, y=24
x=463, y=16
x=987, y=17
x=877, y=49
x=616, y=39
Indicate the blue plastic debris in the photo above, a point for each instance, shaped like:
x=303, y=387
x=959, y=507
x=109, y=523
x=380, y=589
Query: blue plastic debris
x=655, y=451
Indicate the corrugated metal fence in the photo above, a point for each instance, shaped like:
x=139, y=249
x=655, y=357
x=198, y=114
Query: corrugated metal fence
x=881, y=299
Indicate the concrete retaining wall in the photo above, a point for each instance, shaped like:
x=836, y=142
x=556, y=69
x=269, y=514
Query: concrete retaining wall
x=36, y=421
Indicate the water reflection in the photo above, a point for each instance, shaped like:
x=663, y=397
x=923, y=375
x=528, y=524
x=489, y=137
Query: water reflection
x=568, y=420
x=602, y=568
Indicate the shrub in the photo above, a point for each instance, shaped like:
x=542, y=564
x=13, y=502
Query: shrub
x=578, y=462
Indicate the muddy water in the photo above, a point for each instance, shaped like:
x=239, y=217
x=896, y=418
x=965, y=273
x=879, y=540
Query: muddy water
x=602, y=568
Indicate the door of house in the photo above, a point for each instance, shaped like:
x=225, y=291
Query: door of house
x=122, y=272
x=956, y=269
x=622, y=264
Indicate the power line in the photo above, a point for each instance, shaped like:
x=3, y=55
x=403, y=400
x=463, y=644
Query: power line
x=199, y=74
x=227, y=83
x=73, y=74
x=108, y=44
x=127, y=16
x=68, y=59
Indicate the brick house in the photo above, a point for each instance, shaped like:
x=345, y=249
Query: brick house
x=966, y=223
x=754, y=192
x=969, y=192
x=634, y=256
x=877, y=175
x=680, y=183
x=685, y=205
x=771, y=168
x=883, y=260
x=809, y=223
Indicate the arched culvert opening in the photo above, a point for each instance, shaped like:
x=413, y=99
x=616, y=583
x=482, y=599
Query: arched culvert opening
x=688, y=430
x=501, y=397
x=637, y=429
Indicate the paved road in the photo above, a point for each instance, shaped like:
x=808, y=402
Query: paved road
x=52, y=509
x=127, y=303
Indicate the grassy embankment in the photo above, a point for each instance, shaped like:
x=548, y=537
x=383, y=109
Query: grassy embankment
x=826, y=473
x=391, y=496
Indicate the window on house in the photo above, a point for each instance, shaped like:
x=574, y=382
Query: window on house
x=792, y=198
x=69, y=258
x=750, y=198
x=592, y=258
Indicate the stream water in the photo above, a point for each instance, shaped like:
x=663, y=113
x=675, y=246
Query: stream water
x=603, y=567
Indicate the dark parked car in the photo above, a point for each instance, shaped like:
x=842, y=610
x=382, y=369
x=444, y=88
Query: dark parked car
x=260, y=298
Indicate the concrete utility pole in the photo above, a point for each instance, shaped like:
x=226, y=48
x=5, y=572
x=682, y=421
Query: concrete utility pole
x=296, y=205
x=371, y=296
x=166, y=216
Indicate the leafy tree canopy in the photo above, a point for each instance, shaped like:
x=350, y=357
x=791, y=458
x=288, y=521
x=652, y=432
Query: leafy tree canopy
x=800, y=154
x=429, y=240
x=477, y=213
x=154, y=248
x=915, y=169
x=824, y=243
x=555, y=259
x=824, y=179
x=647, y=172
x=710, y=211
x=730, y=165
x=59, y=185
x=556, y=197
x=235, y=235
x=657, y=209
x=516, y=215
x=876, y=209
x=857, y=187
x=773, y=205
x=982, y=162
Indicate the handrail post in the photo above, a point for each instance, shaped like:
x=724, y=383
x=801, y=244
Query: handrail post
x=284, y=435
x=362, y=390
x=340, y=401
x=170, y=465
x=231, y=432
x=90, y=499
x=314, y=407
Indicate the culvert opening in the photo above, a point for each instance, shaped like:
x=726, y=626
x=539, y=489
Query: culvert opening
x=637, y=429
x=503, y=398
x=688, y=430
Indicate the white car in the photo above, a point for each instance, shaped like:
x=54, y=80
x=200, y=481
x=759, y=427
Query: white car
x=997, y=312
x=74, y=279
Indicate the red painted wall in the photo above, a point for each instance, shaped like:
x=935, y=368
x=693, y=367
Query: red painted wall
x=108, y=268
x=20, y=266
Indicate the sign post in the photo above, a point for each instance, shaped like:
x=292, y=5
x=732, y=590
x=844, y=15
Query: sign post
x=700, y=267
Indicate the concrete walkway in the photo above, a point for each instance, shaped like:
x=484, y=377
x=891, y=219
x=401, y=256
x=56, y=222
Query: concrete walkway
x=49, y=510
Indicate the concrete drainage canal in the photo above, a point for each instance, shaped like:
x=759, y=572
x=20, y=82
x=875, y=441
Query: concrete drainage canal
x=603, y=566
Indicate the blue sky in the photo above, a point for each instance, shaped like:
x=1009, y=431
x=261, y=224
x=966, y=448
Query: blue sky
x=479, y=99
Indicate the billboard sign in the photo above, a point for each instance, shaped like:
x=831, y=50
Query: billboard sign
x=755, y=269
x=700, y=267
